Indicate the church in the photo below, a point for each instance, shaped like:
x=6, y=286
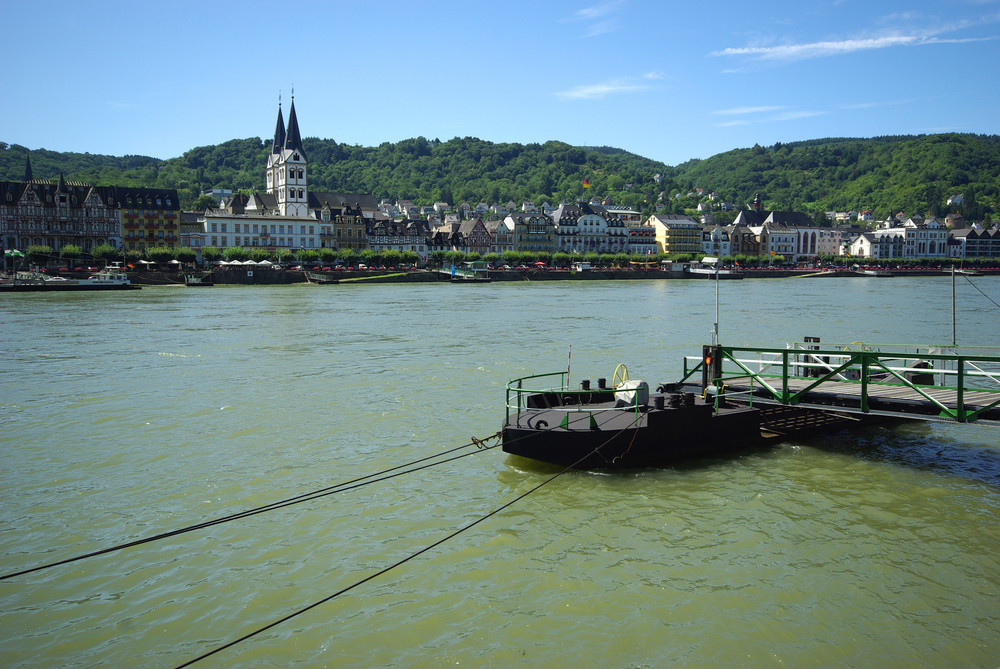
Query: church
x=288, y=214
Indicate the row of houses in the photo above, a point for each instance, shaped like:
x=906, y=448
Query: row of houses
x=42, y=212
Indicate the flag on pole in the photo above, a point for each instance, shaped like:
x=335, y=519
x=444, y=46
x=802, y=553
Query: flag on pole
x=586, y=184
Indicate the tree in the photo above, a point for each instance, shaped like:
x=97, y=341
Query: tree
x=205, y=202
x=161, y=255
x=211, y=253
x=307, y=255
x=186, y=255
x=38, y=254
x=106, y=253
x=438, y=257
x=234, y=253
x=69, y=253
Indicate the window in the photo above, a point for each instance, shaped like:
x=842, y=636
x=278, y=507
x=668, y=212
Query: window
x=223, y=228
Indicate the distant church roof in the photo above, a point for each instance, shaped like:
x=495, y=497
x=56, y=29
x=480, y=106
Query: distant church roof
x=279, y=133
x=293, y=141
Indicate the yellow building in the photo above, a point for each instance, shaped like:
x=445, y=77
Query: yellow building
x=676, y=234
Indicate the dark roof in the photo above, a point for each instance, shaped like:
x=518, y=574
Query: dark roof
x=754, y=218
x=318, y=200
x=279, y=134
x=46, y=192
x=293, y=141
x=168, y=197
x=792, y=219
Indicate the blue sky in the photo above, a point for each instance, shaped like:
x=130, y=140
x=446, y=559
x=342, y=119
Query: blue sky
x=667, y=80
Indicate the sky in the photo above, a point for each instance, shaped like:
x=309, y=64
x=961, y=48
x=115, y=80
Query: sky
x=671, y=81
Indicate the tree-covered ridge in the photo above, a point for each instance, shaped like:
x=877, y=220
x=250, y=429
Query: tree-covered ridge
x=913, y=174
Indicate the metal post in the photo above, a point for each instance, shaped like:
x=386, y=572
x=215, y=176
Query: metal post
x=716, y=336
x=954, y=338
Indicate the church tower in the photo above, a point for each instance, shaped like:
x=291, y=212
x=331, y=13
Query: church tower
x=287, y=167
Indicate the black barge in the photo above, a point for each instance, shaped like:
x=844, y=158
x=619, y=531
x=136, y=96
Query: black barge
x=625, y=426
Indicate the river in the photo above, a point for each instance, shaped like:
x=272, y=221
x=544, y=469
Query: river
x=125, y=415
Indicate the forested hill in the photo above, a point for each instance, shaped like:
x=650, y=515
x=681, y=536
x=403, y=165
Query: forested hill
x=914, y=174
x=909, y=174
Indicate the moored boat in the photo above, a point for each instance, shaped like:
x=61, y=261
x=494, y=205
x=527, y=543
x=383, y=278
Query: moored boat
x=112, y=277
x=198, y=280
x=709, y=271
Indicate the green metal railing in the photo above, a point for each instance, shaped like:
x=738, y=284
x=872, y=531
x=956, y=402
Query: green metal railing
x=772, y=369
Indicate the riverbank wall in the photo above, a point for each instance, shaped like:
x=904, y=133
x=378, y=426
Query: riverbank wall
x=268, y=276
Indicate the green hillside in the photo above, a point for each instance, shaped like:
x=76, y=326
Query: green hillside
x=914, y=174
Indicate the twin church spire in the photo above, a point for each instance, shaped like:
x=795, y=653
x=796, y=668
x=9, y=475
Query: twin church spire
x=290, y=140
x=287, y=167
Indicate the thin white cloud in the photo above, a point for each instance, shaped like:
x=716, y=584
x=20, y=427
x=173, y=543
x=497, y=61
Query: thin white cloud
x=795, y=115
x=819, y=49
x=754, y=115
x=875, y=105
x=915, y=36
x=598, y=91
x=740, y=111
x=600, y=18
x=653, y=75
x=597, y=11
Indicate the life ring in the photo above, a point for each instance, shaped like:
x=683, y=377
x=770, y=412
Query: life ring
x=620, y=376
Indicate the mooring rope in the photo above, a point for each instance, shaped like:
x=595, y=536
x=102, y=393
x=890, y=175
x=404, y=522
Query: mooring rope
x=358, y=482
x=981, y=292
x=399, y=562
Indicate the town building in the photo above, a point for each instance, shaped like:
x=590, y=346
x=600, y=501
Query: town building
x=150, y=217
x=39, y=212
x=404, y=235
x=532, y=232
x=584, y=228
x=501, y=236
x=675, y=233
x=978, y=242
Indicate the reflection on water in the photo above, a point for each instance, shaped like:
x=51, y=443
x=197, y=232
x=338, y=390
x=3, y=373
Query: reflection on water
x=125, y=416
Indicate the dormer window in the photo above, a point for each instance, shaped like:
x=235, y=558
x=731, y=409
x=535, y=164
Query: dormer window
x=295, y=156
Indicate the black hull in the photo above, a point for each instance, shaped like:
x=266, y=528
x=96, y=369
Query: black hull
x=627, y=440
x=45, y=288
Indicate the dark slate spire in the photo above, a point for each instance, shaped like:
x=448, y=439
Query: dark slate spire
x=62, y=183
x=28, y=175
x=293, y=140
x=279, y=133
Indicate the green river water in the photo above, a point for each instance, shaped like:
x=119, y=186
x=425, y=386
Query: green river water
x=124, y=415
